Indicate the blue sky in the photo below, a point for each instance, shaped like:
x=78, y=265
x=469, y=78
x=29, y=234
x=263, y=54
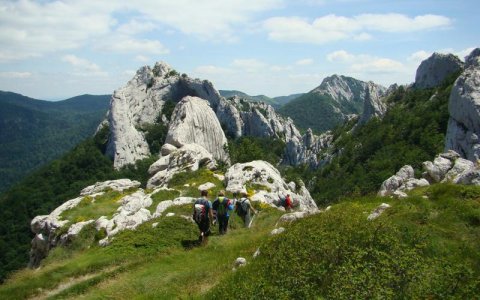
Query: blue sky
x=59, y=49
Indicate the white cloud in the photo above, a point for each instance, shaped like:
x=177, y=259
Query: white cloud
x=249, y=65
x=18, y=75
x=419, y=56
x=378, y=65
x=331, y=28
x=31, y=28
x=142, y=58
x=366, y=64
x=340, y=56
x=84, y=66
x=208, y=70
x=401, y=23
x=125, y=44
x=304, y=62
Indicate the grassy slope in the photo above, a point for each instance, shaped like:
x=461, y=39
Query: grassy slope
x=418, y=248
x=150, y=262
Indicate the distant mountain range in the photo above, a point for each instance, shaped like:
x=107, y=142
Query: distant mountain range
x=334, y=101
x=34, y=132
x=276, y=102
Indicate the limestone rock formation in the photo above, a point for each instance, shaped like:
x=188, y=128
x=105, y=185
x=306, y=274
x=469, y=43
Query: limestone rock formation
x=194, y=122
x=464, y=107
x=45, y=227
x=403, y=181
x=374, y=105
x=140, y=102
x=446, y=167
x=378, y=211
x=435, y=69
x=268, y=184
x=187, y=158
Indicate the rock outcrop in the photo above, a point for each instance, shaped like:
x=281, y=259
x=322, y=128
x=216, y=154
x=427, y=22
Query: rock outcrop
x=141, y=101
x=464, y=106
x=46, y=227
x=267, y=183
x=374, y=105
x=194, y=122
x=187, y=158
x=52, y=230
x=435, y=69
x=446, y=167
x=403, y=181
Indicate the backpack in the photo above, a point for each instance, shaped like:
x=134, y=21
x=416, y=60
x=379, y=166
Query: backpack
x=221, y=207
x=242, y=207
x=199, y=211
x=288, y=202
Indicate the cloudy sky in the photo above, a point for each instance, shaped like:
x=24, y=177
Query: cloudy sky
x=58, y=49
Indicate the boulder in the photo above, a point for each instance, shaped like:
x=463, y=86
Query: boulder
x=267, y=183
x=194, y=122
x=464, y=107
x=118, y=185
x=435, y=69
x=206, y=186
x=187, y=158
x=290, y=217
x=396, y=181
x=378, y=211
x=240, y=262
x=277, y=231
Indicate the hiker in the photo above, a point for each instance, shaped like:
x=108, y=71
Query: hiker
x=202, y=214
x=222, y=207
x=288, y=203
x=244, y=210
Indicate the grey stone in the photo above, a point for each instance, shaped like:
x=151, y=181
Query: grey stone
x=464, y=108
x=194, y=122
x=434, y=70
x=378, y=211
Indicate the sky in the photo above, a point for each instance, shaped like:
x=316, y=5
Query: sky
x=54, y=50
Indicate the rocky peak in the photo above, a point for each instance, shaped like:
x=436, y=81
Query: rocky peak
x=433, y=71
x=463, y=130
x=194, y=122
x=473, y=59
x=374, y=105
x=341, y=88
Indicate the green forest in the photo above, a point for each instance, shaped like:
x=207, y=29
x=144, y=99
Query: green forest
x=34, y=132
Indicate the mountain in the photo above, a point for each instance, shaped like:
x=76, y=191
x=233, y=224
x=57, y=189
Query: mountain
x=276, y=102
x=122, y=231
x=336, y=100
x=282, y=100
x=34, y=132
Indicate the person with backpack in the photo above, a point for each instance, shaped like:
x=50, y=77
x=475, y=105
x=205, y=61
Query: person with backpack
x=203, y=215
x=244, y=210
x=288, y=203
x=222, y=207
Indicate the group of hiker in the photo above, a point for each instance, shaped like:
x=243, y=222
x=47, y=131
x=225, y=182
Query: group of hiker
x=206, y=213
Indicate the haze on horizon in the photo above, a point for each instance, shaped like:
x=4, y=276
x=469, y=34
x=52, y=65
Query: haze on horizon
x=59, y=49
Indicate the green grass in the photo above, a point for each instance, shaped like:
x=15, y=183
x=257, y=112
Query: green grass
x=419, y=248
x=93, y=208
x=193, y=180
x=162, y=195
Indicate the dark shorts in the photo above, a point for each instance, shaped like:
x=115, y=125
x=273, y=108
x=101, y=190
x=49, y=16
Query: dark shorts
x=204, y=226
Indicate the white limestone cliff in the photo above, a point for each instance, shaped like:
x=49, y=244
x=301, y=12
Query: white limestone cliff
x=435, y=69
x=194, y=122
x=464, y=107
